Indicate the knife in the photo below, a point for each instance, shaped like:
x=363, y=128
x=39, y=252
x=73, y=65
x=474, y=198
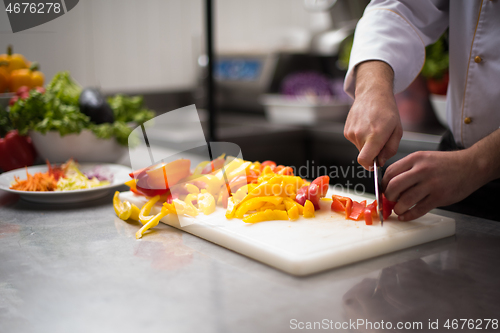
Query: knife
x=378, y=189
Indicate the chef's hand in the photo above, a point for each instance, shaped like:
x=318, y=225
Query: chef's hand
x=425, y=180
x=373, y=124
x=428, y=179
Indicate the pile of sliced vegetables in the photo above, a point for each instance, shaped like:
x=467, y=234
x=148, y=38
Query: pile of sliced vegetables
x=250, y=191
x=66, y=177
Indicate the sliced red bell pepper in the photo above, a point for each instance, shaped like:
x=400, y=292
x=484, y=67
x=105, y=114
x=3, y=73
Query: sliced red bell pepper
x=149, y=192
x=137, y=173
x=310, y=193
x=322, y=182
x=271, y=164
x=286, y=171
x=278, y=168
x=301, y=196
x=313, y=195
x=348, y=208
x=387, y=207
x=368, y=216
x=337, y=205
x=358, y=210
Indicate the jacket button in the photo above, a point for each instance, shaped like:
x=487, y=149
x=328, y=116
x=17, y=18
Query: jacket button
x=477, y=59
x=468, y=120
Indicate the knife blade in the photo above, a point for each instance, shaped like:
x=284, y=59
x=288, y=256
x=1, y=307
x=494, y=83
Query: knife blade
x=378, y=189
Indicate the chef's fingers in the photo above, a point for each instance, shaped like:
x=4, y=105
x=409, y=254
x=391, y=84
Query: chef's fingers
x=400, y=183
x=391, y=147
x=395, y=169
x=370, y=149
x=419, y=210
x=411, y=197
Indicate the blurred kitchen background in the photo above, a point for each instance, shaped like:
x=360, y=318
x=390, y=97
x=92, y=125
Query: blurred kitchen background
x=279, y=69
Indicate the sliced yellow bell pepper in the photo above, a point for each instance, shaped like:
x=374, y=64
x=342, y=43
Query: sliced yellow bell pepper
x=289, y=203
x=191, y=188
x=241, y=170
x=153, y=222
x=255, y=167
x=144, y=216
x=268, y=215
x=241, y=193
x=293, y=213
x=308, y=209
x=199, y=168
x=125, y=210
x=189, y=201
x=213, y=183
x=254, y=204
x=267, y=170
x=206, y=202
x=183, y=208
x=231, y=208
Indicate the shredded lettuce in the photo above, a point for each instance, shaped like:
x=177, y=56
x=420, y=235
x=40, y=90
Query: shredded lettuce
x=74, y=179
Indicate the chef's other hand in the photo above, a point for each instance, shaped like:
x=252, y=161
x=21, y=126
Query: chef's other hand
x=373, y=124
x=425, y=180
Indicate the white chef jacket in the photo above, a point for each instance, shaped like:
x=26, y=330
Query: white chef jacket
x=397, y=32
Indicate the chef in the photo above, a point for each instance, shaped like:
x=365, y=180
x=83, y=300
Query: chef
x=387, y=55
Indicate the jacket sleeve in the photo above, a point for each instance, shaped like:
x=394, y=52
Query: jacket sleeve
x=397, y=32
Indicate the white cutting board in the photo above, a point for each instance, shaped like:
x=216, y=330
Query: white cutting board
x=311, y=245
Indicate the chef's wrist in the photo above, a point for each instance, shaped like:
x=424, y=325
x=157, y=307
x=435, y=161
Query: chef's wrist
x=482, y=164
x=374, y=77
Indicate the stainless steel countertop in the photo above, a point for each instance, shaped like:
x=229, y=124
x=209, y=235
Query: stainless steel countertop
x=78, y=268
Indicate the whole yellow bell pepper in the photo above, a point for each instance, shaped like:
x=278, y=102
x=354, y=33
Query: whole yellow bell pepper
x=19, y=78
x=268, y=215
x=15, y=61
x=37, y=77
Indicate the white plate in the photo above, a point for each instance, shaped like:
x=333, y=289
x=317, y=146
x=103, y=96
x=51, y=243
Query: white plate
x=120, y=176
